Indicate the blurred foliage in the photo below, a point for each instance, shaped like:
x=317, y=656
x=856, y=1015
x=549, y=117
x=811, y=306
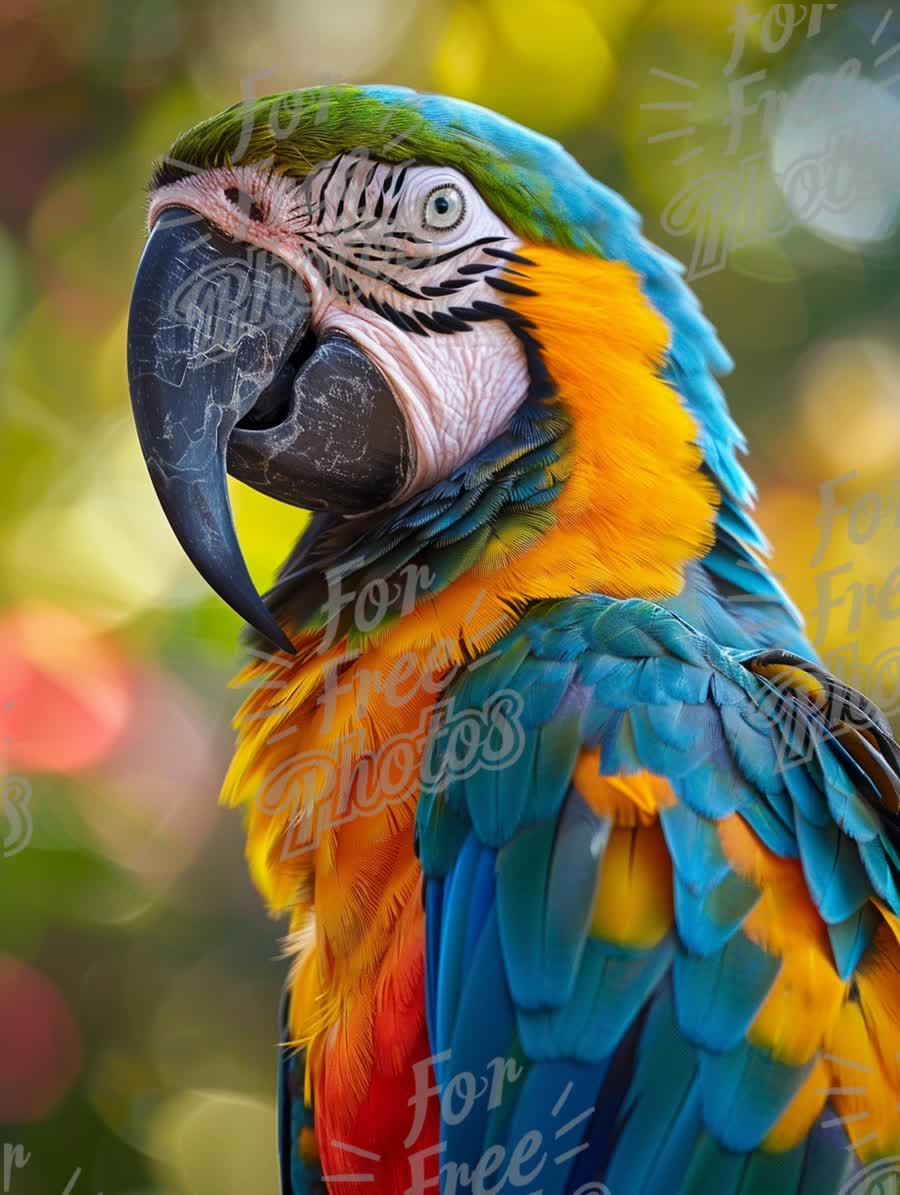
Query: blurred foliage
x=139, y=977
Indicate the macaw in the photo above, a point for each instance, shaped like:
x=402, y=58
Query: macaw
x=591, y=869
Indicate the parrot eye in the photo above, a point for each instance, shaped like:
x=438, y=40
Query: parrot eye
x=444, y=207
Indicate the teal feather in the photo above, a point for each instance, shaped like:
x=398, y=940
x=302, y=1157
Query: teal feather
x=754, y=751
x=614, y=677
x=771, y=829
x=707, y=920
x=806, y=795
x=619, y=755
x=808, y=1169
x=546, y=682
x=477, y=1040
x=845, y=781
x=717, y=997
x=474, y=521
x=546, y=881
x=501, y=799
x=505, y=796
x=612, y=986
x=480, y=899
x=706, y=788
x=552, y=1105
x=440, y=831
x=433, y=900
x=677, y=725
x=452, y=561
x=454, y=932
x=662, y=1105
x=695, y=847
x=711, y=1168
x=736, y=523
x=668, y=1166
x=745, y=1092
x=837, y=879
x=494, y=673
x=470, y=511
x=883, y=870
x=633, y=638
x=851, y=938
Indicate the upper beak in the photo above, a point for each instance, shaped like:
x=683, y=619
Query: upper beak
x=216, y=334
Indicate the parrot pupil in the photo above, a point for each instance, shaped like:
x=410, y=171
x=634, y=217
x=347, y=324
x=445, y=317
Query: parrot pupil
x=442, y=203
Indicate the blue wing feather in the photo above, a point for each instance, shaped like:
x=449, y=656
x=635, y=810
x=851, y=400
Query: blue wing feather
x=653, y=1040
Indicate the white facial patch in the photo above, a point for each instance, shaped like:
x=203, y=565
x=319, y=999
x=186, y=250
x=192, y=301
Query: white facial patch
x=398, y=258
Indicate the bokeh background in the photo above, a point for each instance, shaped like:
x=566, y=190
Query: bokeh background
x=138, y=974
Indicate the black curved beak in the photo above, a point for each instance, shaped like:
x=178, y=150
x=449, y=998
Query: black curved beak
x=224, y=373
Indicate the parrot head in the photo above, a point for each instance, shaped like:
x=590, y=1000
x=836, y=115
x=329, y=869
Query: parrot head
x=350, y=295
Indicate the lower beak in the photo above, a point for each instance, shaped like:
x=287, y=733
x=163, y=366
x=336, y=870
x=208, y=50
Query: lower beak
x=223, y=372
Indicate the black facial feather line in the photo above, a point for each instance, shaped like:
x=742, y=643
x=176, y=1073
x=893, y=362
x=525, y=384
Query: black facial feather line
x=357, y=262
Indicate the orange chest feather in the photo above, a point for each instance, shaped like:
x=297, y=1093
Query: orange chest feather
x=330, y=839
